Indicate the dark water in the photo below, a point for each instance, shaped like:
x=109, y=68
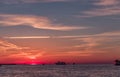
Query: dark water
x=60, y=71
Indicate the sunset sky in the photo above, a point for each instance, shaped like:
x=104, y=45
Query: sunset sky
x=46, y=31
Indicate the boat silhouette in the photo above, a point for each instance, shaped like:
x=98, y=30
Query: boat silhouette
x=117, y=62
x=60, y=63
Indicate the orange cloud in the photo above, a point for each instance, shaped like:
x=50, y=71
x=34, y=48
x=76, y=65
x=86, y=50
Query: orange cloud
x=86, y=46
x=30, y=54
x=11, y=53
x=34, y=21
x=6, y=46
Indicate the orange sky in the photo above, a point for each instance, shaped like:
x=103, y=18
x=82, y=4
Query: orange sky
x=46, y=31
x=52, y=50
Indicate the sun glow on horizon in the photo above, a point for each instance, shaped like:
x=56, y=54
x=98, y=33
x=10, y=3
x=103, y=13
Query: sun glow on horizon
x=32, y=57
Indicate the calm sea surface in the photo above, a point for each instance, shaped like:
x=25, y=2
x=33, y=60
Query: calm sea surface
x=60, y=71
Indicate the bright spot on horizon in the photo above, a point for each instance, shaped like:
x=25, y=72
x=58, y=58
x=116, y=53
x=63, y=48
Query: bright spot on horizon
x=32, y=57
x=33, y=64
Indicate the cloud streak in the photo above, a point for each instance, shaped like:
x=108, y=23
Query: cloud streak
x=101, y=12
x=29, y=37
x=10, y=50
x=103, y=43
x=6, y=46
x=106, y=34
x=106, y=2
x=31, y=1
x=104, y=8
x=39, y=22
x=88, y=45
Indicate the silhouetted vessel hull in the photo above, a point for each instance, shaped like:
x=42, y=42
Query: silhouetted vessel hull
x=117, y=62
x=60, y=63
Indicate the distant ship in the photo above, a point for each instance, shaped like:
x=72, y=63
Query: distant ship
x=117, y=62
x=60, y=63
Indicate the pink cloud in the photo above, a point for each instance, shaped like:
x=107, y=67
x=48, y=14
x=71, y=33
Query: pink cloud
x=31, y=1
x=106, y=11
x=39, y=22
x=104, y=42
x=5, y=46
x=104, y=8
x=107, y=2
x=12, y=51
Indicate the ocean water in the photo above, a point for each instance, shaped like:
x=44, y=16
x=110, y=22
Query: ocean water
x=60, y=71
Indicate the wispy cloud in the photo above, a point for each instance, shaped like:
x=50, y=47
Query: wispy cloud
x=29, y=37
x=106, y=2
x=30, y=54
x=106, y=11
x=88, y=45
x=31, y=1
x=106, y=34
x=39, y=22
x=104, y=42
x=10, y=50
x=44, y=37
x=6, y=46
x=104, y=8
